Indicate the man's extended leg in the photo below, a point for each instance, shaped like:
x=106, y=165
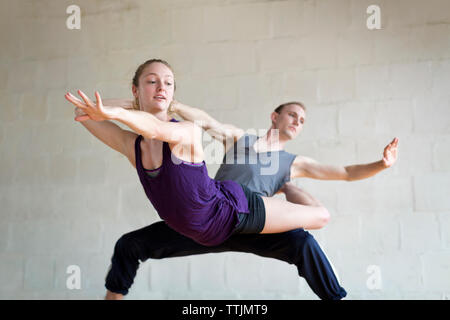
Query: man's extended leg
x=158, y=241
x=296, y=247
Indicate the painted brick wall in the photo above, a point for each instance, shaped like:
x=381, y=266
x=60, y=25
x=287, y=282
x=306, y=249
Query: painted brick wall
x=65, y=198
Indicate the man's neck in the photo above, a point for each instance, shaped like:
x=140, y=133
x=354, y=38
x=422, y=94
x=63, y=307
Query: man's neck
x=271, y=141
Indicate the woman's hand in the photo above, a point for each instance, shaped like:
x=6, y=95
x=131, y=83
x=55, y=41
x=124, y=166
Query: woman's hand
x=390, y=153
x=91, y=110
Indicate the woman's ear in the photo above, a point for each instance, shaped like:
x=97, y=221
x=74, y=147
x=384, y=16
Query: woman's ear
x=134, y=90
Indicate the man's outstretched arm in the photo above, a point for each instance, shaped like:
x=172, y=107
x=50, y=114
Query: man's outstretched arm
x=309, y=168
x=123, y=103
x=219, y=131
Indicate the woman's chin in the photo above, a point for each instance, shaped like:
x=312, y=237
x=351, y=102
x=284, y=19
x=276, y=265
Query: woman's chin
x=157, y=107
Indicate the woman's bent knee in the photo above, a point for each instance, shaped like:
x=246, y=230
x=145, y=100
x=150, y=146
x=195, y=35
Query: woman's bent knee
x=322, y=219
x=326, y=217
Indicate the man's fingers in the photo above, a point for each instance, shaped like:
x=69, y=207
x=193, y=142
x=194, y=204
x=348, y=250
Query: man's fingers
x=82, y=118
x=394, y=142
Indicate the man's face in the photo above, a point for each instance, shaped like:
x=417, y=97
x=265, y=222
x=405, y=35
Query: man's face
x=289, y=121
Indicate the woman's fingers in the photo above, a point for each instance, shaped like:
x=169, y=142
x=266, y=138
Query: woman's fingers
x=86, y=99
x=99, y=99
x=74, y=100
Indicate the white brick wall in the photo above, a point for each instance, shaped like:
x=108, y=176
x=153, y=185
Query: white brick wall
x=65, y=198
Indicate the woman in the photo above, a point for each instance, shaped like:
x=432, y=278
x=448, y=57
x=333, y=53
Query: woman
x=168, y=156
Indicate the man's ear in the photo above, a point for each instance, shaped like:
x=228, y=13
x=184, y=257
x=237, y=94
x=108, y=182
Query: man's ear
x=274, y=116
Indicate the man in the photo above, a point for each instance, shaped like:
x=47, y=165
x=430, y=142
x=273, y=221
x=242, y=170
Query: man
x=297, y=247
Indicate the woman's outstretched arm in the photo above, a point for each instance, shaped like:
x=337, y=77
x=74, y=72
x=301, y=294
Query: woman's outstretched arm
x=219, y=131
x=110, y=134
x=106, y=131
x=141, y=122
x=149, y=126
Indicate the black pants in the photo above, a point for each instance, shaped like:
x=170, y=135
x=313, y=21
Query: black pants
x=158, y=241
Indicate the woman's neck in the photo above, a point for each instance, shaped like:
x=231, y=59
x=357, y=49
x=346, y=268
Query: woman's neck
x=161, y=115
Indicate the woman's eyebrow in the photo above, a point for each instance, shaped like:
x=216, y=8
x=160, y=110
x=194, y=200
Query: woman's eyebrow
x=152, y=73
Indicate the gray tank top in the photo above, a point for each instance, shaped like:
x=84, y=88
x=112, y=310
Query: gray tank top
x=263, y=172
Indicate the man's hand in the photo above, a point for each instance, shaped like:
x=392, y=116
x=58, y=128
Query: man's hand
x=80, y=115
x=390, y=153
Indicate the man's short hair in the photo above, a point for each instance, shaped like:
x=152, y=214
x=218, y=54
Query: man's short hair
x=280, y=107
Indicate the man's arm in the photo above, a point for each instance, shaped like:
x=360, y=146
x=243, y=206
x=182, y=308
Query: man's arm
x=123, y=103
x=297, y=195
x=309, y=168
x=219, y=131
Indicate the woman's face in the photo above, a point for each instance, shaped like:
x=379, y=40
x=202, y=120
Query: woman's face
x=156, y=88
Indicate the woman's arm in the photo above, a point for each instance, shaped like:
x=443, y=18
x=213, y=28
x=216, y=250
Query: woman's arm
x=110, y=134
x=149, y=126
x=219, y=131
x=140, y=122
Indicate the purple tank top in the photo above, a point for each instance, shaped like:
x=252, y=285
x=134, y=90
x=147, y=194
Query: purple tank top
x=189, y=201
